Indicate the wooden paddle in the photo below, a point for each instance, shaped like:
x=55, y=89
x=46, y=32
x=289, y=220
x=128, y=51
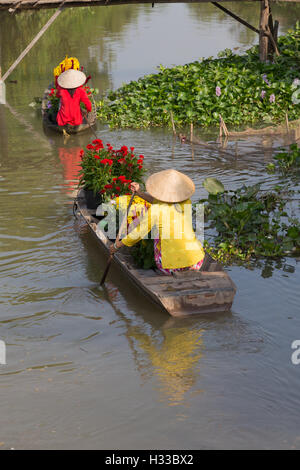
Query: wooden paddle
x=86, y=118
x=117, y=239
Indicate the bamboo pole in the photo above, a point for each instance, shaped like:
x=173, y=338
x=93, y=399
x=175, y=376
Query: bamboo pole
x=34, y=41
x=173, y=124
x=192, y=132
x=233, y=15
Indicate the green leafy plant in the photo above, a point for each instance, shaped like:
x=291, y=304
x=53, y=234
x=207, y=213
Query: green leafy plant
x=143, y=254
x=239, y=87
x=250, y=223
x=286, y=160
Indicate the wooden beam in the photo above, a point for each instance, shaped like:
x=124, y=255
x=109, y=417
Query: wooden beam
x=233, y=15
x=34, y=41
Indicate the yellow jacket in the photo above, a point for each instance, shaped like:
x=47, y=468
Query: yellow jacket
x=172, y=224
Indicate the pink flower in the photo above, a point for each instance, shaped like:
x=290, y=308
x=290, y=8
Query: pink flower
x=272, y=98
x=218, y=91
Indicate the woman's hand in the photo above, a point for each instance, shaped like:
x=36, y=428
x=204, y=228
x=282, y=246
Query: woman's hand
x=135, y=187
x=114, y=247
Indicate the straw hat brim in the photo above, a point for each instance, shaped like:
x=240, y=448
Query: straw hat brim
x=71, y=79
x=170, y=186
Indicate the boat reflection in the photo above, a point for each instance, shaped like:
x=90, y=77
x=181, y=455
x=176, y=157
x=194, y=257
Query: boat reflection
x=170, y=350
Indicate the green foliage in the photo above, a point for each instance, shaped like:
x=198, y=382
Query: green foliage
x=213, y=186
x=246, y=88
x=143, y=254
x=286, y=160
x=250, y=223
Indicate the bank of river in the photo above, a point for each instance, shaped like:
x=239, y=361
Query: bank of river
x=85, y=372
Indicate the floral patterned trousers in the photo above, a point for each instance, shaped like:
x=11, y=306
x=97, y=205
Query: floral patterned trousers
x=157, y=257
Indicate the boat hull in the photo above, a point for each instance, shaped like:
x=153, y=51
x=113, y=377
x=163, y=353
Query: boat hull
x=183, y=294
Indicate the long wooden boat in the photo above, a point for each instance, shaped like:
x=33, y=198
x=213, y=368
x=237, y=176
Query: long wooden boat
x=48, y=124
x=185, y=293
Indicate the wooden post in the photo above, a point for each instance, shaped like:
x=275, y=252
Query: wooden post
x=173, y=124
x=263, y=27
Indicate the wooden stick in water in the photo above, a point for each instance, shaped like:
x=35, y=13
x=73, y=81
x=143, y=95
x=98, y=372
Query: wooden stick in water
x=287, y=123
x=117, y=239
x=37, y=37
x=173, y=124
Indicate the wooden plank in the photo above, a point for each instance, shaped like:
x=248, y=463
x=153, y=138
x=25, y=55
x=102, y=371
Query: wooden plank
x=42, y=4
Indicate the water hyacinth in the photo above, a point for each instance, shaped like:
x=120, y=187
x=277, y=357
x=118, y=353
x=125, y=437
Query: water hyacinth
x=229, y=85
x=265, y=79
x=296, y=83
x=272, y=98
x=218, y=91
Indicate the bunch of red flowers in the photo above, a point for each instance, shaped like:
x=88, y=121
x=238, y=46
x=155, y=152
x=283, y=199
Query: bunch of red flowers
x=110, y=171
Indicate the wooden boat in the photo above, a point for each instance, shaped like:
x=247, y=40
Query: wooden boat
x=48, y=124
x=185, y=293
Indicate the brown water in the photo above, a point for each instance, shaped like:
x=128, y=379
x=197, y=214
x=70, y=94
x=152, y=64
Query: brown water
x=88, y=368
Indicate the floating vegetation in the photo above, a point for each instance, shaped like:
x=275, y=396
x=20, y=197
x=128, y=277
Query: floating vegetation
x=286, y=161
x=239, y=87
x=249, y=223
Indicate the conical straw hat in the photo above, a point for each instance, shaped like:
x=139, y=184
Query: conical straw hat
x=71, y=79
x=170, y=186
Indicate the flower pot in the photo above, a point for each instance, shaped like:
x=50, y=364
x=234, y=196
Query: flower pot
x=92, y=200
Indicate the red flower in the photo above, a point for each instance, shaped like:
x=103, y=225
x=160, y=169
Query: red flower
x=97, y=157
x=90, y=147
x=122, y=160
x=122, y=178
x=108, y=186
x=107, y=161
x=140, y=167
x=141, y=157
x=140, y=161
x=132, y=149
x=97, y=141
x=118, y=188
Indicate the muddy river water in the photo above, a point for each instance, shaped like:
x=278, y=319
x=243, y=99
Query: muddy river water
x=109, y=370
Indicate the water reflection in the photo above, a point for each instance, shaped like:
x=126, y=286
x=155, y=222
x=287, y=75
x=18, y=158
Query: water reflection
x=124, y=360
x=170, y=351
x=287, y=15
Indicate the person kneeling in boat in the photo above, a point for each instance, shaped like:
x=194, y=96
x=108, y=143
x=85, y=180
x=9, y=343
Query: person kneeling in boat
x=176, y=247
x=71, y=94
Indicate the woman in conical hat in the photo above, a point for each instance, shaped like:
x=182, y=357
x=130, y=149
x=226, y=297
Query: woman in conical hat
x=169, y=219
x=71, y=94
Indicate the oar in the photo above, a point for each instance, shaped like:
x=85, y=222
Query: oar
x=117, y=239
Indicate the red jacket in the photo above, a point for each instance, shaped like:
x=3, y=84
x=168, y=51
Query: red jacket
x=69, y=108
